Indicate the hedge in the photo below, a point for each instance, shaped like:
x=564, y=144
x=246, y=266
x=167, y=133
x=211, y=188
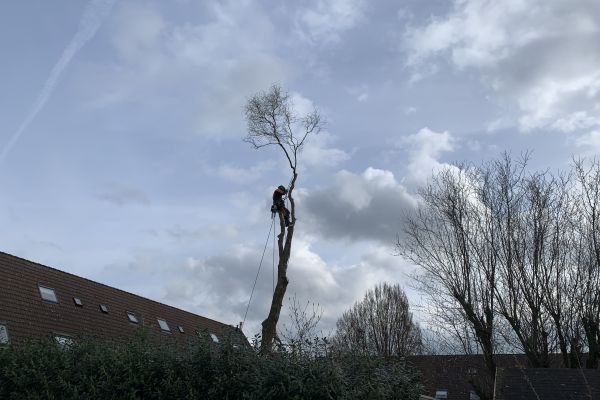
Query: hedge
x=146, y=370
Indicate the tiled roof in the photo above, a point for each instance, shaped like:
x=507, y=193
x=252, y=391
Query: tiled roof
x=547, y=384
x=26, y=315
x=455, y=373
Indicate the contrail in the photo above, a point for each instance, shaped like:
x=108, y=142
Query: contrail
x=92, y=18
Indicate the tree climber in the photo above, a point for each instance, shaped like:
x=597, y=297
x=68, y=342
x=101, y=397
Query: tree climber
x=279, y=204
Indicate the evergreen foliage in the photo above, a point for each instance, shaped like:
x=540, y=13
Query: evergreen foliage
x=146, y=370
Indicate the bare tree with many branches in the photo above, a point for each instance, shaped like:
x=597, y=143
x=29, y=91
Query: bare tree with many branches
x=448, y=236
x=587, y=255
x=302, y=336
x=516, y=255
x=381, y=324
x=272, y=121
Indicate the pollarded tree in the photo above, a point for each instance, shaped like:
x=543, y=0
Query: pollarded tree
x=272, y=121
x=381, y=324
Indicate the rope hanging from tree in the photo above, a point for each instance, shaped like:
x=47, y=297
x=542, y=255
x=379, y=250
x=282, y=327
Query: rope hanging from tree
x=259, y=267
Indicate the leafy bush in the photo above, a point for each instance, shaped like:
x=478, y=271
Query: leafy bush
x=146, y=370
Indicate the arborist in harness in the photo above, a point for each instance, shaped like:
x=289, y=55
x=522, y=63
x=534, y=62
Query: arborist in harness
x=279, y=204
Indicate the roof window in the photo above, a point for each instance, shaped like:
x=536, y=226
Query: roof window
x=47, y=294
x=180, y=329
x=77, y=301
x=163, y=325
x=4, y=334
x=132, y=317
x=104, y=308
x=214, y=337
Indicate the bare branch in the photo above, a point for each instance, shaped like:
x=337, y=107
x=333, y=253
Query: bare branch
x=271, y=121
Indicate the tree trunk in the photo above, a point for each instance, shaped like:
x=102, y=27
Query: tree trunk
x=592, y=333
x=269, y=325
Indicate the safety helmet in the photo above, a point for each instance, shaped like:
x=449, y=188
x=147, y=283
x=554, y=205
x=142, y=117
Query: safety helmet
x=281, y=187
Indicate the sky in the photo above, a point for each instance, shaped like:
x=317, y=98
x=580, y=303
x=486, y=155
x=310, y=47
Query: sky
x=121, y=152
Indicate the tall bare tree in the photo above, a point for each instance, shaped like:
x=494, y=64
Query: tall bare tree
x=272, y=121
x=514, y=253
x=381, y=324
x=523, y=206
x=587, y=258
x=450, y=237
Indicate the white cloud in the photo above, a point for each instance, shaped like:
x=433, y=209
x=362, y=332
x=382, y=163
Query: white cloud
x=410, y=110
x=324, y=21
x=362, y=97
x=219, y=287
x=318, y=151
x=499, y=124
x=337, y=286
x=542, y=54
x=201, y=71
x=360, y=92
x=591, y=141
x=576, y=121
x=242, y=175
x=137, y=30
x=213, y=231
x=425, y=148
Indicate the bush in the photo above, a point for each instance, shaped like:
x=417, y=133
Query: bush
x=146, y=370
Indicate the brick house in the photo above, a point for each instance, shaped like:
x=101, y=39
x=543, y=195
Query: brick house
x=39, y=301
x=451, y=377
x=547, y=384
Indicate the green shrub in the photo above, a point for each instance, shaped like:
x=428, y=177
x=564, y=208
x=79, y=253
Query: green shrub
x=146, y=370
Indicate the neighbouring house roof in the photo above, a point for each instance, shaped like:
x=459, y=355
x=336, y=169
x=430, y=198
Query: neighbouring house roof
x=457, y=373
x=25, y=314
x=547, y=384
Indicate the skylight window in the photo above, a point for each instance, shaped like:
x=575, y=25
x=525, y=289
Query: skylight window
x=132, y=317
x=4, y=334
x=180, y=329
x=163, y=325
x=47, y=294
x=214, y=337
x=77, y=301
x=104, y=308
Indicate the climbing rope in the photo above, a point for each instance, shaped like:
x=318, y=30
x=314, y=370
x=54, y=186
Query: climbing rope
x=261, y=261
x=273, y=261
x=258, y=272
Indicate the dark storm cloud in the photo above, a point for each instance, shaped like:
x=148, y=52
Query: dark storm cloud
x=365, y=206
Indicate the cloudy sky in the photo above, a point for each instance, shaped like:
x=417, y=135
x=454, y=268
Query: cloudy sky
x=121, y=157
